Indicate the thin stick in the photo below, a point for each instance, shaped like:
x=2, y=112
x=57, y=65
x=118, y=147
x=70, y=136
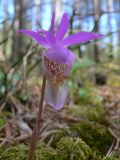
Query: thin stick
x=38, y=123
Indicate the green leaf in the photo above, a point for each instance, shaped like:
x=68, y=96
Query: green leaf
x=1, y=122
x=2, y=75
x=82, y=93
x=83, y=63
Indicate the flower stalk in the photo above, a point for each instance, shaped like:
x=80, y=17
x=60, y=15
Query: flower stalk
x=38, y=123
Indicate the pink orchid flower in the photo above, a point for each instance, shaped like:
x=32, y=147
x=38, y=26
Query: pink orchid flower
x=57, y=59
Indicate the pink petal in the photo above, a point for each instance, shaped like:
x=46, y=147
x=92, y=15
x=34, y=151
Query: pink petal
x=63, y=27
x=49, y=37
x=52, y=24
x=60, y=54
x=55, y=95
x=36, y=36
x=80, y=37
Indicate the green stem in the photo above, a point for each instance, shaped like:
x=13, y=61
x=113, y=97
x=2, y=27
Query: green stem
x=38, y=123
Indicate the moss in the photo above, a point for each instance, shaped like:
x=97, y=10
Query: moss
x=93, y=134
x=73, y=149
x=62, y=134
x=110, y=158
x=20, y=152
x=96, y=114
x=92, y=113
x=67, y=148
x=45, y=153
x=14, y=153
x=95, y=155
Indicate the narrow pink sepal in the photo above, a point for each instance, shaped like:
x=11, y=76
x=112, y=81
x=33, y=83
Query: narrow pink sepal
x=36, y=36
x=52, y=26
x=80, y=37
x=63, y=27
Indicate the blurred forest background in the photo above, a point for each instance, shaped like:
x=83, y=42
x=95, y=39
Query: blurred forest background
x=91, y=116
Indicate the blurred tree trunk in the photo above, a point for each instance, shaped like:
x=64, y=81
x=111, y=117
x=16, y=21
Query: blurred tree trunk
x=58, y=9
x=37, y=13
x=96, y=28
x=53, y=5
x=18, y=43
x=90, y=9
x=5, y=27
x=118, y=21
x=78, y=10
x=110, y=9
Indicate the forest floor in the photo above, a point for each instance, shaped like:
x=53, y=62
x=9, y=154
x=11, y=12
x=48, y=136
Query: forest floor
x=86, y=130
